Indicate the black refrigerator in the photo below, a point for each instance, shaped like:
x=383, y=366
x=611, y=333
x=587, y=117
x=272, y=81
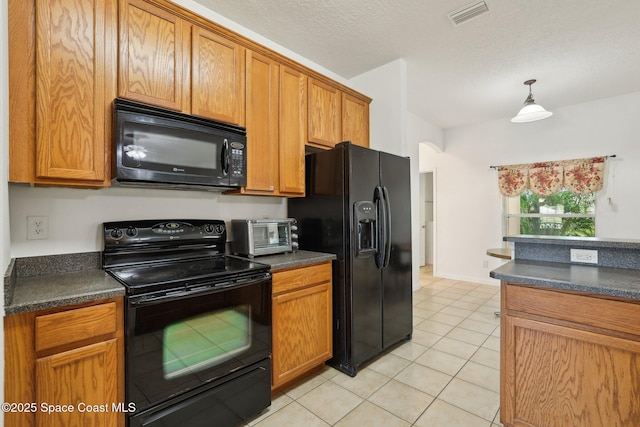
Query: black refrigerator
x=358, y=206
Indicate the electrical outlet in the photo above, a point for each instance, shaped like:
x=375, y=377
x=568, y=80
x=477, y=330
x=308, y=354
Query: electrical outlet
x=37, y=227
x=584, y=255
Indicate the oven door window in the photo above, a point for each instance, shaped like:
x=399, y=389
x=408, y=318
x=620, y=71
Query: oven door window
x=206, y=340
x=178, y=345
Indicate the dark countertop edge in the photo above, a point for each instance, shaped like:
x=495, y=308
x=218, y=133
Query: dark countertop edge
x=591, y=242
x=296, y=259
x=9, y=282
x=63, y=302
x=541, y=280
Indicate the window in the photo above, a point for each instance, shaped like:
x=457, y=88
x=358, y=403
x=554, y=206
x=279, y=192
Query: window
x=561, y=214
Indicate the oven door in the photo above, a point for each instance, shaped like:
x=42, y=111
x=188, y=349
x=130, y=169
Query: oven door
x=179, y=341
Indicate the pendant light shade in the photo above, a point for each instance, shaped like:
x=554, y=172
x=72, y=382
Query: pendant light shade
x=531, y=111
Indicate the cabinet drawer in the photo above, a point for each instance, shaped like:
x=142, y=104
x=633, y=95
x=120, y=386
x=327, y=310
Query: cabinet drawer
x=592, y=311
x=301, y=277
x=58, y=329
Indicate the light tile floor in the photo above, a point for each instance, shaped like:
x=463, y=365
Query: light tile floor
x=446, y=376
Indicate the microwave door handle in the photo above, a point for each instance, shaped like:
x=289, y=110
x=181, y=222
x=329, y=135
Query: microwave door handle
x=224, y=157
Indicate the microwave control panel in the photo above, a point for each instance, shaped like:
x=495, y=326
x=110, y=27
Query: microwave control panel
x=237, y=162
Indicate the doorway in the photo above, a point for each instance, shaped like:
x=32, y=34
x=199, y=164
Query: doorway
x=428, y=199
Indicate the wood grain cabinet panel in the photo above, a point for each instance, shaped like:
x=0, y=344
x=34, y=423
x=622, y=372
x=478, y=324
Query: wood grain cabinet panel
x=217, y=85
x=83, y=377
x=60, y=97
x=293, y=130
x=302, y=316
x=276, y=127
x=169, y=62
x=69, y=356
x=262, y=124
x=559, y=371
x=324, y=116
x=355, y=120
x=154, y=56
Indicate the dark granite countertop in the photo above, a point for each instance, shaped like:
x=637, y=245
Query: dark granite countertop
x=616, y=282
x=44, y=282
x=58, y=290
x=294, y=259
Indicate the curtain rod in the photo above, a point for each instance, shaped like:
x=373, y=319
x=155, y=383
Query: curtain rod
x=605, y=157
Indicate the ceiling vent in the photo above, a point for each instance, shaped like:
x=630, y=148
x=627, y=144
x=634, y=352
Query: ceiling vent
x=468, y=12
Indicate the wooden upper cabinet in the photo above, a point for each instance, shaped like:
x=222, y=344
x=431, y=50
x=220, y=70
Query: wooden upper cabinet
x=154, y=56
x=262, y=124
x=168, y=62
x=62, y=65
x=276, y=111
x=355, y=120
x=324, y=116
x=218, y=88
x=293, y=130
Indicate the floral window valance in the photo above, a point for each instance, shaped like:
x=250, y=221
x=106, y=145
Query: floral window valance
x=580, y=176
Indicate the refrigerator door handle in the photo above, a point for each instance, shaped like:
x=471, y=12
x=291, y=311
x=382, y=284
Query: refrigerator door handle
x=381, y=208
x=387, y=225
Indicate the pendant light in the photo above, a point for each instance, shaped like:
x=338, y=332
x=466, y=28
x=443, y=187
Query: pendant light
x=531, y=111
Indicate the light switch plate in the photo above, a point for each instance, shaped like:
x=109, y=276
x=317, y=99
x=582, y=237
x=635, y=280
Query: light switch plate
x=584, y=255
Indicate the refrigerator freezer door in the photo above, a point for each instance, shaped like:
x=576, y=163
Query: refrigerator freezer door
x=363, y=280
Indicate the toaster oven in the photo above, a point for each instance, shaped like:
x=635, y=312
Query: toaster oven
x=255, y=237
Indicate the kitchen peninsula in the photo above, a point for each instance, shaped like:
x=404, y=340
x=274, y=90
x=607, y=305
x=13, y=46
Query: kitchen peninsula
x=570, y=332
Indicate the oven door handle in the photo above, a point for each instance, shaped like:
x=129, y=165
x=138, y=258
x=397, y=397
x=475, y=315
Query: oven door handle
x=142, y=300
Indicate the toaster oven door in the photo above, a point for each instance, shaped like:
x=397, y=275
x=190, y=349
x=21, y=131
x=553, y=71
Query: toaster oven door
x=271, y=237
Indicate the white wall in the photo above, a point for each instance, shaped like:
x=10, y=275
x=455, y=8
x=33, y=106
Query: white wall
x=76, y=215
x=468, y=208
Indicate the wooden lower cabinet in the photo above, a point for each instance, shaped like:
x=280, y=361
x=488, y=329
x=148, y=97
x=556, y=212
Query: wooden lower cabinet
x=302, y=316
x=568, y=359
x=68, y=364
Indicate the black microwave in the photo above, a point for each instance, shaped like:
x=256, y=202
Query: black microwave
x=164, y=148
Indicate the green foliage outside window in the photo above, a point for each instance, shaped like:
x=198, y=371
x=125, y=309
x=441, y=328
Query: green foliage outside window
x=563, y=211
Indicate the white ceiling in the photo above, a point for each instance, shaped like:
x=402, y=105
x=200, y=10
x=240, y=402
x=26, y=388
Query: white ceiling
x=578, y=50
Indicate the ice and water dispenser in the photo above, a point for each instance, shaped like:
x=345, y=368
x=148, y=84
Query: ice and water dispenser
x=364, y=218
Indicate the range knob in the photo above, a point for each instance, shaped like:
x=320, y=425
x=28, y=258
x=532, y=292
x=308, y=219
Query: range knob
x=219, y=229
x=208, y=228
x=132, y=231
x=116, y=233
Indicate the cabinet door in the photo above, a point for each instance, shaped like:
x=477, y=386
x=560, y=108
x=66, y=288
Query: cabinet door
x=262, y=124
x=557, y=376
x=293, y=130
x=83, y=376
x=154, y=56
x=355, y=120
x=301, y=331
x=324, y=114
x=74, y=88
x=217, y=90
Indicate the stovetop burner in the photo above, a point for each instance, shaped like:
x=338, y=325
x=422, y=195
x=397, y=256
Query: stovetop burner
x=152, y=255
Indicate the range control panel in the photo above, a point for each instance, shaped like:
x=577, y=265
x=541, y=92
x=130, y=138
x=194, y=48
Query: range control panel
x=157, y=232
